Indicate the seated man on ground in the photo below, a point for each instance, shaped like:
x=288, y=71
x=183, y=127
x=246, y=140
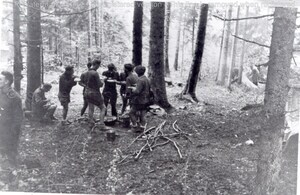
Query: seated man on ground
x=42, y=109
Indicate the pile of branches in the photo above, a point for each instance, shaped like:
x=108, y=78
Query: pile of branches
x=155, y=137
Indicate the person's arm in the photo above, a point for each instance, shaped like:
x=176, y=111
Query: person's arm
x=82, y=81
x=40, y=99
x=98, y=80
x=139, y=87
x=17, y=116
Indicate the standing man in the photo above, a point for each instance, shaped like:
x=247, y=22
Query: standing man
x=42, y=109
x=66, y=83
x=82, y=83
x=141, y=95
x=123, y=77
x=110, y=88
x=11, y=116
x=131, y=81
x=92, y=92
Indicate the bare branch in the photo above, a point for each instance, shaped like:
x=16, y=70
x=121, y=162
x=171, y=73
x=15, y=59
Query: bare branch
x=247, y=18
x=262, y=45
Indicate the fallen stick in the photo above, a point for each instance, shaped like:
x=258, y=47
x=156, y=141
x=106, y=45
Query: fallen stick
x=140, y=151
x=151, y=128
x=176, y=146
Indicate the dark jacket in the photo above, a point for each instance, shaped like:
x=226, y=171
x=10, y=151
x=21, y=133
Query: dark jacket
x=11, y=113
x=110, y=86
x=66, y=83
x=123, y=77
x=93, y=81
x=39, y=103
x=142, y=91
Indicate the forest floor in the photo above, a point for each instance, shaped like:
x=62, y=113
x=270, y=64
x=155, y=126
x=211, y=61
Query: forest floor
x=215, y=158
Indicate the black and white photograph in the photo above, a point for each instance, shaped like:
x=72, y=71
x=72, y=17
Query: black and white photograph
x=149, y=97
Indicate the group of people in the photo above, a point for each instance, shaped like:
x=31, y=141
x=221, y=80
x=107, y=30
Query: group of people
x=134, y=91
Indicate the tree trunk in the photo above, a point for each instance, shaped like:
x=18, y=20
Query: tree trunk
x=18, y=67
x=34, y=37
x=223, y=68
x=193, y=30
x=190, y=87
x=100, y=25
x=233, y=54
x=178, y=42
x=137, y=33
x=221, y=49
x=90, y=30
x=276, y=93
x=156, y=55
x=241, y=69
x=167, y=29
x=96, y=27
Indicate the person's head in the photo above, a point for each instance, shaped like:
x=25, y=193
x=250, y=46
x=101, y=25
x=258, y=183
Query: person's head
x=96, y=64
x=89, y=65
x=6, y=79
x=140, y=70
x=128, y=68
x=111, y=67
x=46, y=87
x=69, y=70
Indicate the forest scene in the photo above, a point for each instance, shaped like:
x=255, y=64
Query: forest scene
x=138, y=97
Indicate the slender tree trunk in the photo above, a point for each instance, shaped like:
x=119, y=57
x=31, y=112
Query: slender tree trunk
x=137, y=33
x=178, y=42
x=90, y=30
x=18, y=67
x=276, y=93
x=241, y=69
x=221, y=49
x=56, y=40
x=33, y=49
x=223, y=68
x=190, y=87
x=156, y=54
x=233, y=53
x=167, y=29
x=70, y=38
x=193, y=30
x=100, y=25
x=50, y=43
x=182, y=47
x=96, y=27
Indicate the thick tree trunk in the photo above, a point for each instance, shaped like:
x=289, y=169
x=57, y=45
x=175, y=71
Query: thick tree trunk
x=241, y=69
x=178, y=42
x=190, y=87
x=223, y=68
x=276, y=93
x=18, y=67
x=33, y=49
x=156, y=55
x=137, y=33
x=167, y=29
x=233, y=54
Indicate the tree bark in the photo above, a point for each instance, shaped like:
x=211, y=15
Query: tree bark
x=90, y=30
x=34, y=36
x=221, y=49
x=276, y=93
x=190, y=87
x=178, y=42
x=18, y=67
x=233, y=54
x=156, y=55
x=223, y=68
x=137, y=33
x=167, y=29
x=241, y=69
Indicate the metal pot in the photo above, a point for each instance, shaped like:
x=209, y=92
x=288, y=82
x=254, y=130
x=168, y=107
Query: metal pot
x=111, y=135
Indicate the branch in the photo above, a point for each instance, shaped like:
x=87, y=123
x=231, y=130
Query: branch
x=262, y=45
x=247, y=18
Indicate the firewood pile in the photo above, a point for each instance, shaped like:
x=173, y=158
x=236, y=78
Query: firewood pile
x=155, y=137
